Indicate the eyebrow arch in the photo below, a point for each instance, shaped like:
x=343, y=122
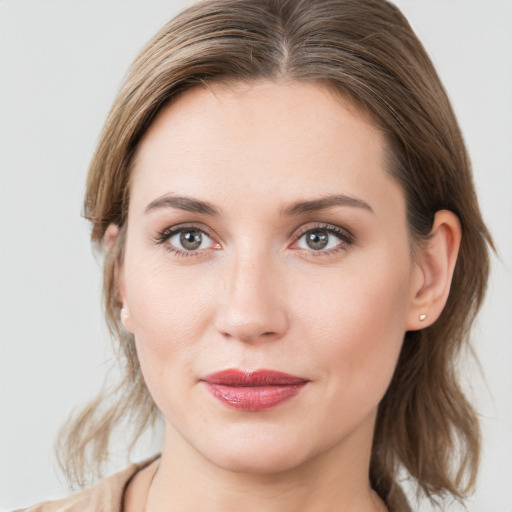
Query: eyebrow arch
x=183, y=203
x=324, y=203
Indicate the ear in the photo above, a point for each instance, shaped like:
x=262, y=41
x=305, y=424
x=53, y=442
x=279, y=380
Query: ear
x=109, y=239
x=110, y=236
x=433, y=271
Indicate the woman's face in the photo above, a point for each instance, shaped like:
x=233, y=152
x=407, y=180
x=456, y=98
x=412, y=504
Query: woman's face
x=265, y=235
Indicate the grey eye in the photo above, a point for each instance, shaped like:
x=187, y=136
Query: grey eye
x=320, y=239
x=190, y=240
x=317, y=239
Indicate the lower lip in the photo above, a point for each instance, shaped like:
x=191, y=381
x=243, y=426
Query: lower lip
x=253, y=398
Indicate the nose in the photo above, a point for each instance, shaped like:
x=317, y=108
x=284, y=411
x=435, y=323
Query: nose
x=252, y=305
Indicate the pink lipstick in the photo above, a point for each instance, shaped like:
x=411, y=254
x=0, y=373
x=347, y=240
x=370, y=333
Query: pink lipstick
x=253, y=391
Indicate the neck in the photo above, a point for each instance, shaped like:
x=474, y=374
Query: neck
x=334, y=480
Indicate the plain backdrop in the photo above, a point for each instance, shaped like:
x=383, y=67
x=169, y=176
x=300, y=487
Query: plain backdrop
x=61, y=62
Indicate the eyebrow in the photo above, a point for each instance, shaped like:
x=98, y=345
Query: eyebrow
x=323, y=203
x=183, y=203
x=195, y=205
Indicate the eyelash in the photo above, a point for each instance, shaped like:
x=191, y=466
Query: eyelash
x=346, y=239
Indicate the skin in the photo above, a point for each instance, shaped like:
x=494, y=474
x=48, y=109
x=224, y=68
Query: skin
x=256, y=295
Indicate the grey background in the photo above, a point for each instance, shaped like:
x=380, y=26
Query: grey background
x=61, y=62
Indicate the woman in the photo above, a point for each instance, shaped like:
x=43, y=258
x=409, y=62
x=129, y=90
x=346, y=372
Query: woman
x=293, y=258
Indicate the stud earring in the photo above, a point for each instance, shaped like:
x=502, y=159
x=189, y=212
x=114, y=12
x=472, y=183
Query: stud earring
x=124, y=313
x=422, y=317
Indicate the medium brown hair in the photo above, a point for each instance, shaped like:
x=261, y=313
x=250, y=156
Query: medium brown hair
x=366, y=50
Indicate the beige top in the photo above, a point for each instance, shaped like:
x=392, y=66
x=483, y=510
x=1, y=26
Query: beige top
x=107, y=495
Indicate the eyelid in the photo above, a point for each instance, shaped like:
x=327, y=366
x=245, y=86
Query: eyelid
x=176, y=228
x=325, y=226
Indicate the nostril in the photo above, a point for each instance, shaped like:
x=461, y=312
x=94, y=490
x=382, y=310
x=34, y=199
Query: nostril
x=249, y=333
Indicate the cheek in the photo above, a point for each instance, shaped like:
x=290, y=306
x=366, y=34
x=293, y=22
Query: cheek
x=357, y=323
x=170, y=310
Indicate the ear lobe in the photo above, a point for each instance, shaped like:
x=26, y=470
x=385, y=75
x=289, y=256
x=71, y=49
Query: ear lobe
x=125, y=318
x=435, y=263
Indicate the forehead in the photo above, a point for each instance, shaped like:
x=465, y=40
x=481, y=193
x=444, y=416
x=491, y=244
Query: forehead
x=259, y=109
x=298, y=138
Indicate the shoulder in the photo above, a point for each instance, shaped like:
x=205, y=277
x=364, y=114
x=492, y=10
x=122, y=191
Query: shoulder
x=105, y=496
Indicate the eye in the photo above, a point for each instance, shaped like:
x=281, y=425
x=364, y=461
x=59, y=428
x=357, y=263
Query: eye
x=186, y=240
x=190, y=239
x=324, y=239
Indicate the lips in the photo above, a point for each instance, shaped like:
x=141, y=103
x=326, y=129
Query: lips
x=253, y=391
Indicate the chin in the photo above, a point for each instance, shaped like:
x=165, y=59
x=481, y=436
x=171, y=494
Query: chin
x=261, y=452
x=257, y=462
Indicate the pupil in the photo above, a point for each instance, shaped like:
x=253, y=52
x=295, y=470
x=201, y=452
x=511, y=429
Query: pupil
x=191, y=240
x=317, y=239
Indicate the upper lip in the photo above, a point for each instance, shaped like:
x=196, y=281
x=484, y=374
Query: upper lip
x=235, y=377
